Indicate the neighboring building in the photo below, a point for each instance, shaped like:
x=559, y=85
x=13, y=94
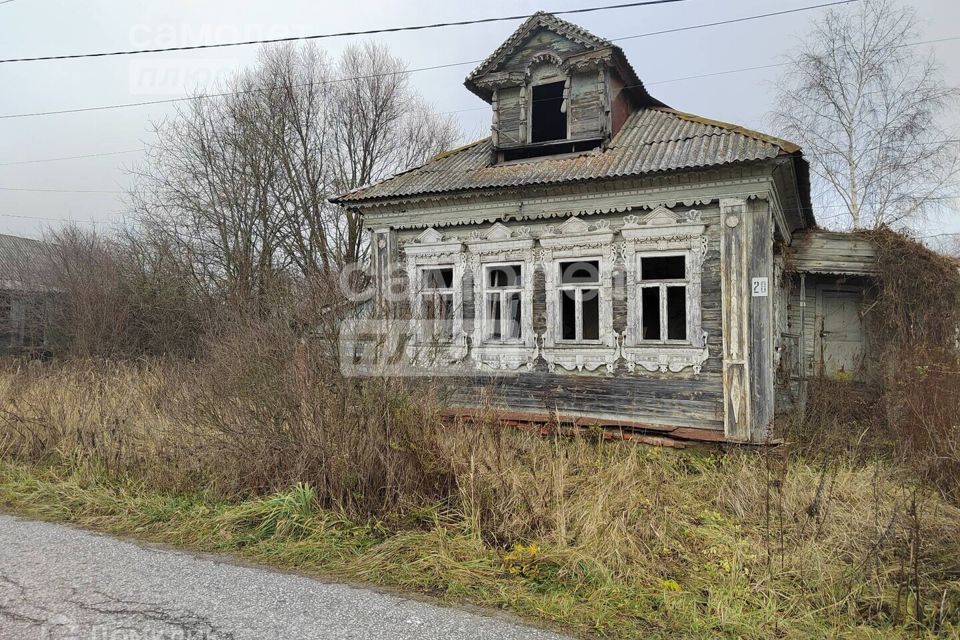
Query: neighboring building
x=24, y=296
x=625, y=262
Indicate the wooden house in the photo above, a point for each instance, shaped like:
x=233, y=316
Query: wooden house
x=605, y=259
x=25, y=296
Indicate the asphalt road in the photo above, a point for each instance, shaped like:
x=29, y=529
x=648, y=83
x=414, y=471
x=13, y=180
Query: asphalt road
x=57, y=582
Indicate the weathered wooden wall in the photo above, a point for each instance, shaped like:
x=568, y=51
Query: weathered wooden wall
x=760, y=345
x=684, y=398
x=806, y=322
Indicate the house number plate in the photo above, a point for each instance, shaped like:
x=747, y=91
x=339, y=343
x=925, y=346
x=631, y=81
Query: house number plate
x=760, y=287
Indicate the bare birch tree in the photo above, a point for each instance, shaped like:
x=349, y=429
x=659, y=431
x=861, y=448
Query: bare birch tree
x=868, y=110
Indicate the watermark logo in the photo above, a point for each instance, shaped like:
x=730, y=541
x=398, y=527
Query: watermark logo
x=165, y=77
x=177, y=74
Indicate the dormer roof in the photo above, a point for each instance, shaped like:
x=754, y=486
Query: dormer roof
x=539, y=20
x=584, y=45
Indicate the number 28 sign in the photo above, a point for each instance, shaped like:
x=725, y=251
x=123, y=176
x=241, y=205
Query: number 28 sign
x=760, y=287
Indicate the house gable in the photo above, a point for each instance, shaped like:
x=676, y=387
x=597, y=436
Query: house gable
x=556, y=88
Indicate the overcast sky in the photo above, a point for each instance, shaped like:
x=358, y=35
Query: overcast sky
x=49, y=27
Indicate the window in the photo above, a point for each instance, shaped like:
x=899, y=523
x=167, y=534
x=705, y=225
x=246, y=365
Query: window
x=663, y=298
x=436, y=303
x=503, y=307
x=548, y=117
x=579, y=301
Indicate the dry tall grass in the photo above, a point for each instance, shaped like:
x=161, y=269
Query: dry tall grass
x=741, y=544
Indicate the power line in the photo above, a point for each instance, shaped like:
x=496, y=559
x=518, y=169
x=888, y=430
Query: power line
x=367, y=32
x=734, y=20
x=60, y=190
x=89, y=155
x=45, y=219
x=224, y=94
x=393, y=73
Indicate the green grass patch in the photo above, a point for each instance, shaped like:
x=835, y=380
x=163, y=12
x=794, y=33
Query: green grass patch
x=536, y=580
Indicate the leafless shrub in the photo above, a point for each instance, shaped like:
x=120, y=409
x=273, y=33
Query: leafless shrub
x=115, y=297
x=910, y=408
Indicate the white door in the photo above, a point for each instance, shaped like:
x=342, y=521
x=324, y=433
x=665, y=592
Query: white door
x=841, y=333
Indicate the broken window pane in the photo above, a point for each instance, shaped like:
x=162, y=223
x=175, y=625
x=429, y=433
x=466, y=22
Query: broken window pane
x=441, y=278
x=581, y=272
x=568, y=314
x=493, y=316
x=547, y=119
x=650, y=313
x=676, y=313
x=591, y=314
x=504, y=276
x=663, y=268
x=438, y=312
x=514, y=317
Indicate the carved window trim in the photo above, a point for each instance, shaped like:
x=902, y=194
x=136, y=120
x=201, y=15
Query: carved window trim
x=575, y=239
x=662, y=233
x=500, y=245
x=431, y=250
x=487, y=323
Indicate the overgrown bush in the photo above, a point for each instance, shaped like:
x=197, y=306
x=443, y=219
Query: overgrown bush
x=909, y=408
x=640, y=540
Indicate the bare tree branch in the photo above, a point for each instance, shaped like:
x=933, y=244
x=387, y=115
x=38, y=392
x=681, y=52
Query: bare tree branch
x=868, y=111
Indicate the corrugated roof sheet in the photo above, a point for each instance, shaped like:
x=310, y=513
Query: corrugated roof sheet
x=22, y=263
x=652, y=140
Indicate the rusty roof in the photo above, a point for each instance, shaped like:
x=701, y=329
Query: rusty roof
x=652, y=140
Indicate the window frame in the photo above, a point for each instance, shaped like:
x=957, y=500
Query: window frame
x=564, y=107
x=432, y=250
x=578, y=289
x=437, y=294
x=662, y=284
x=663, y=232
x=487, y=322
x=500, y=245
x=542, y=70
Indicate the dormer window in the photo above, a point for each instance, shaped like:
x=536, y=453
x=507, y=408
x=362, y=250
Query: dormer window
x=548, y=113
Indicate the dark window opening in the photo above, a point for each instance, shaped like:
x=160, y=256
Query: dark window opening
x=494, y=313
x=668, y=268
x=563, y=146
x=676, y=313
x=547, y=119
x=583, y=272
x=514, y=316
x=591, y=315
x=505, y=276
x=438, y=278
x=650, y=313
x=568, y=314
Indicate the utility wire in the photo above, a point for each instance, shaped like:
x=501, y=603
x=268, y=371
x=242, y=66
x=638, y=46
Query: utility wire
x=208, y=96
x=367, y=32
x=405, y=72
x=60, y=190
x=89, y=155
x=735, y=20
